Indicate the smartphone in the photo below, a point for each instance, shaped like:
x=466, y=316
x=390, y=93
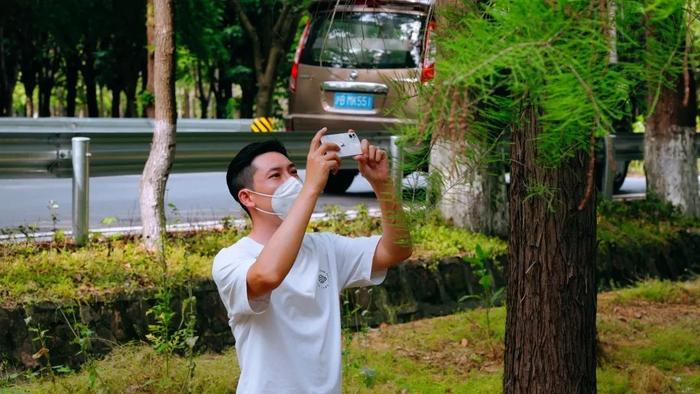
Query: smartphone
x=349, y=143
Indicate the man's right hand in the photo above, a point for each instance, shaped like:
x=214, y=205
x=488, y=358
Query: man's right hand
x=321, y=161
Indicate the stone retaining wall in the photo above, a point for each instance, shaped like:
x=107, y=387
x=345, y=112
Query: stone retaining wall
x=413, y=290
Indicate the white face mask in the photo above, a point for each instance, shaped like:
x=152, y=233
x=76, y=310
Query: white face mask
x=283, y=198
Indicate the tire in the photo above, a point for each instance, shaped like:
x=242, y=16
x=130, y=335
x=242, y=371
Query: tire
x=620, y=175
x=340, y=182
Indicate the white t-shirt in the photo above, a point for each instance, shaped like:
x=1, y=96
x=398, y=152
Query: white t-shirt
x=289, y=341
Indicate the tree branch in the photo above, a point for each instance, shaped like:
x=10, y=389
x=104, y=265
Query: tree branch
x=254, y=38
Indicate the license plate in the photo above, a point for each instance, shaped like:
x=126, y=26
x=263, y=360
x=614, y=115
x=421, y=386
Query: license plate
x=353, y=101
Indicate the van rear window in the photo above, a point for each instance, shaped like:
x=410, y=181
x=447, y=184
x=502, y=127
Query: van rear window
x=365, y=40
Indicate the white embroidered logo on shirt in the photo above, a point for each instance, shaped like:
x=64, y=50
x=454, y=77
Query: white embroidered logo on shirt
x=322, y=279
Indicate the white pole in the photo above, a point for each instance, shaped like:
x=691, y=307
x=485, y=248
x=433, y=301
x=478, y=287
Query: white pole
x=81, y=188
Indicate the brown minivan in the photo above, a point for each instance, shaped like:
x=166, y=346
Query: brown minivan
x=350, y=62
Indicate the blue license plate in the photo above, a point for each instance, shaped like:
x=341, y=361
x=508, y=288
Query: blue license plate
x=353, y=101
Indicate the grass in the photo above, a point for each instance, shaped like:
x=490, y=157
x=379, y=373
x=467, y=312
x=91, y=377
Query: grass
x=60, y=272
x=648, y=339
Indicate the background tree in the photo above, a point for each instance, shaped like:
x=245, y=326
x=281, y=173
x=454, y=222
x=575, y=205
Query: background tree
x=271, y=27
x=547, y=79
x=670, y=161
x=9, y=55
x=155, y=173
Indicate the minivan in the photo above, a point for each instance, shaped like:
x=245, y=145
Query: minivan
x=351, y=63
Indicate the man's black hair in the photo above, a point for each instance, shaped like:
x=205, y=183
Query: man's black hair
x=240, y=171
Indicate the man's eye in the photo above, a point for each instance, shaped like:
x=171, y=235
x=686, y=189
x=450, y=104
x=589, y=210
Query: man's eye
x=274, y=175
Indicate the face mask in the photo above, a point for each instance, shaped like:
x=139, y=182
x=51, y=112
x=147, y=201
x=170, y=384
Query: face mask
x=283, y=198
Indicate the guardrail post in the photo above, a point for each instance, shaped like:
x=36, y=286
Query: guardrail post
x=81, y=188
x=396, y=164
x=609, y=166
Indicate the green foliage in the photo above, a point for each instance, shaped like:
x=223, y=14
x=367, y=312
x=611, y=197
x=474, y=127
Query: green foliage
x=547, y=56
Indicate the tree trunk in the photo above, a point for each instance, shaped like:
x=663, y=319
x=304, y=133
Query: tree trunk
x=670, y=162
x=263, y=100
x=45, y=88
x=130, y=93
x=551, y=292
x=90, y=84
x=248, y=93
x=157, y=169
x=472, y=196
x=8, y=74
x=71, y=84
x=473, y=192
x=150, y=72
x=116, y=101
x=186, y=111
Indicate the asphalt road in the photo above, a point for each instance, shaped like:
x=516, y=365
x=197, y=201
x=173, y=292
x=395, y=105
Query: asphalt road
x=191, y=198
x=114, y=200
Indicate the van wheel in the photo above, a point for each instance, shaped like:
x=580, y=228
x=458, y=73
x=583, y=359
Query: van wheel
x=340, y=182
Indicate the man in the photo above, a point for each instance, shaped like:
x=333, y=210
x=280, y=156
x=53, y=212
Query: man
x=281, y=286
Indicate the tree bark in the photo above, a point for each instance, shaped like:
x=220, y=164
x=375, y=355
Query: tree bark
x=670, y=162
x=551, y=292
x=472, y=196
x=88, y=71
x=150, y=39
x=202, y=94
x=248, y=93
x=473, y=192
x=116, y=101
x=130, y=93
x=8, y=74
x=155, y=173
x=71, y=84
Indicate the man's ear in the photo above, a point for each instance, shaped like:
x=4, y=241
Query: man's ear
x=244, y=198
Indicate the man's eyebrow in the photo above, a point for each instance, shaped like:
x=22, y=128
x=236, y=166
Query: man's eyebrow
x=290, y=165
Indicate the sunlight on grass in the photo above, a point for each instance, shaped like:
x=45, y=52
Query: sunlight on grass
x=455, y=353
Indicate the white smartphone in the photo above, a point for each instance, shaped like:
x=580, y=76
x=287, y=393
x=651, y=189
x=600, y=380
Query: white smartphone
x=349, y=143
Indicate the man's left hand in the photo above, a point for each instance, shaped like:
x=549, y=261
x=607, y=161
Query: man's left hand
x=373, y=164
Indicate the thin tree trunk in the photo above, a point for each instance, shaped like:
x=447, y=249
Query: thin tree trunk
x=202, y=95
x=130, y=93
x=8, y=75
x=29, y=106
x=157, y=169
x=71, y=84
x=90, y=84
x=45, y=88
x=551, y=293
x=248, y=93
x=670, y=162
x=150, y=72
x=186, y=103
x=116, y=101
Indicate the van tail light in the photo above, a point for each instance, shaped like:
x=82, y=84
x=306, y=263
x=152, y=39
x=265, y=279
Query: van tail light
x=429, y=54
x=297, y=58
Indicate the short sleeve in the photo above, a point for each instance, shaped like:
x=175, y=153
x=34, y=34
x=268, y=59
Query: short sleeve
x=354, y=258
x=229, y=273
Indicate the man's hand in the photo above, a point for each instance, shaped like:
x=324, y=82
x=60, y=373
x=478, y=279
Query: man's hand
x=322, y=159
x=373, y=164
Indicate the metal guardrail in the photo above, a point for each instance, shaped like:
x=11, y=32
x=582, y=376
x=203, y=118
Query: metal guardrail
x=58, y=147
x=42, y=147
